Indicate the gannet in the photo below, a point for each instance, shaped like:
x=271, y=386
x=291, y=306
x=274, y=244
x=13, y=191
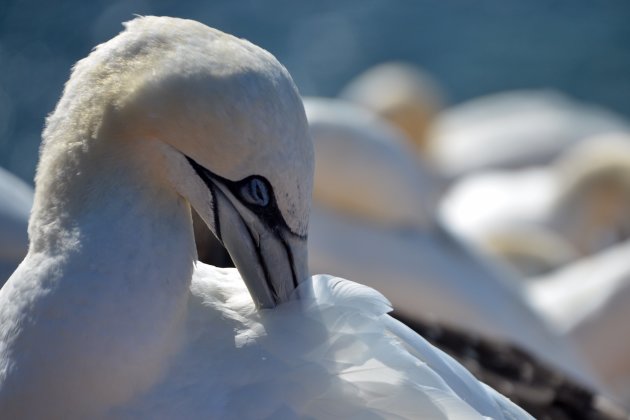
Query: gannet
x=375, y=219
x=509, y=228
x=403, y=94
x=16, y=199
x=592, y=209
x=109, y=315
x=546, y=217
x=514, y=129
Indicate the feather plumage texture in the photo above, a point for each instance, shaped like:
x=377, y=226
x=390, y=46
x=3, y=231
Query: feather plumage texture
x=543, y=391
x=332, y=353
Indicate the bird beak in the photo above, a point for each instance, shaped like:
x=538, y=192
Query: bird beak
x=271, y=259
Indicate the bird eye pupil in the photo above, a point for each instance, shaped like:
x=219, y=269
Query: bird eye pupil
x=258, y=192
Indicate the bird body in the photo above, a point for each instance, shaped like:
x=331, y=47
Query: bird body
x=334, y=352
x=513, y=229
x=517, y=129
x=545, y=217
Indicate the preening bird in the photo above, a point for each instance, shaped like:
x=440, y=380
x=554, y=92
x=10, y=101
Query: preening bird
x=546, y=217
x=110, y=316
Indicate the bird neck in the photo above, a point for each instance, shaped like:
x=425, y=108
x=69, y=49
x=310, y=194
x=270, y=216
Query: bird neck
x=103, y=292
x=110, y=203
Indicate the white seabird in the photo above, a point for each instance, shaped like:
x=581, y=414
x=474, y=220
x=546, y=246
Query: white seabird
x=374, y=219
x=509, y=229
x=16, y=199
x=109, y=316
x=545, y=217
x=514, y=129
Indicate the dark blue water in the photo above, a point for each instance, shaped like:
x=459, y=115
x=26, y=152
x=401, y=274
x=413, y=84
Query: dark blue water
x=473, y=47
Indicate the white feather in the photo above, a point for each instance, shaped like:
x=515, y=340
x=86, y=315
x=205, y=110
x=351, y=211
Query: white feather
x=332, y=353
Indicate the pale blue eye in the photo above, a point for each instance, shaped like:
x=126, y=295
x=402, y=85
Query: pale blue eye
x=255, y=192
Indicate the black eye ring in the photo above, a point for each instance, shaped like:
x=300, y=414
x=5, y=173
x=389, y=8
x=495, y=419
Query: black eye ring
x=255, y=192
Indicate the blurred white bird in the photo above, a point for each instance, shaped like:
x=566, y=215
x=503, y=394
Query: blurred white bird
x=543, y=218
x=374, y=219
x=109, y=316
x=514, y=129
x=16, y=199
x=589, y=301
